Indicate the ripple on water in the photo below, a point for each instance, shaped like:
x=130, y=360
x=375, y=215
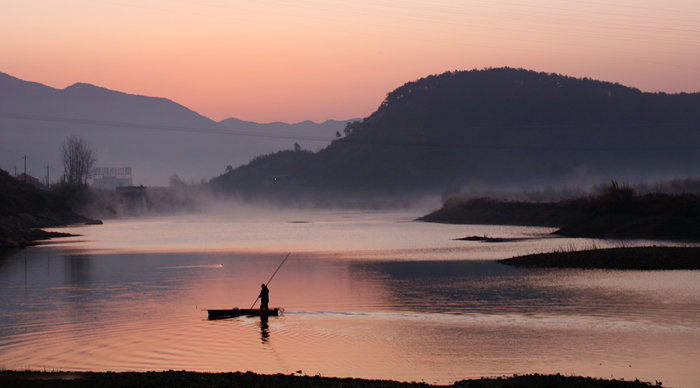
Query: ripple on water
x=376, y=299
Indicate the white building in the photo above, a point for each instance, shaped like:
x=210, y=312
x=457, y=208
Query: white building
x=111, y=177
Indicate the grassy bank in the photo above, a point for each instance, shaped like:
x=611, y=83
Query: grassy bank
x=193, y=379
x=24, y=209
x=487, y=211
x=641, y=258
x=617, y=213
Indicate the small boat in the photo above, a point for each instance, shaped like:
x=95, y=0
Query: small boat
x=236, y=312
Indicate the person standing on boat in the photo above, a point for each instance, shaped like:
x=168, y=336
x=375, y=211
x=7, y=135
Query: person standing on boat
x=264, y=297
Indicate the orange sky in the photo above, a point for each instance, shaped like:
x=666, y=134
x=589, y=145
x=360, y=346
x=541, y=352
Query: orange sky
x=278, y=60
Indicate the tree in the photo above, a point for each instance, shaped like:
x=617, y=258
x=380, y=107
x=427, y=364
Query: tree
x=78, y=160
x=297, y=147
x=351, y=126
x=175, y=181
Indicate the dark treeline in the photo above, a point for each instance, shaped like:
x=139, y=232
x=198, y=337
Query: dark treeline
x=175, y=379
x=618, y=212
x=144, y=201
x=637, y=258
x=557, y=194
x=489, y=127
x=24, y=209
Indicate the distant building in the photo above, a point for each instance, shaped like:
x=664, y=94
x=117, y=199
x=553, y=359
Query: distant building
x=111, y=177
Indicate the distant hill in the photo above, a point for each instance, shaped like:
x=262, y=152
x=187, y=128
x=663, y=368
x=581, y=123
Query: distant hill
x=155, y=136
x=490, y=127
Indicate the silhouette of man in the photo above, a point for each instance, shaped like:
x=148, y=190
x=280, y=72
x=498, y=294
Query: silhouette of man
x=264, y=297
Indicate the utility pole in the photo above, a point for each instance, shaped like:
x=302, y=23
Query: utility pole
x=25, y=167
x=48, y=180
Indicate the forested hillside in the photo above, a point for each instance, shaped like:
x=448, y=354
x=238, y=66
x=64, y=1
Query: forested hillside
x=490, y=127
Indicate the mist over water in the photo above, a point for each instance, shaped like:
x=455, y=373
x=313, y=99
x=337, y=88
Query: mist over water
x=366, y=294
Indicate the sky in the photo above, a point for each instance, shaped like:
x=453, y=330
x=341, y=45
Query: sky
x=278, y=60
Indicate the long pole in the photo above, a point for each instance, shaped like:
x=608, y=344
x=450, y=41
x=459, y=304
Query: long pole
x=270, y=279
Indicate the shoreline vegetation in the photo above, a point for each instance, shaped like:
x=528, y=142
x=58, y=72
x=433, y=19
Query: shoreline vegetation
x=489, y=239
x=486, y=128
x=617, y=213
x=24, y=210
x=249, y=379
x=636, y=258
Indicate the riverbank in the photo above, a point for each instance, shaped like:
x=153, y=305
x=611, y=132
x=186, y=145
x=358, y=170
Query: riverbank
x=617, y=213
x=24, y=229
x=25, y=209
x=237, y=379
x=639, y=258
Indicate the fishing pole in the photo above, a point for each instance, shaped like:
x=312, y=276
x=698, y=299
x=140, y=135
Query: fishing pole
x=270, y=279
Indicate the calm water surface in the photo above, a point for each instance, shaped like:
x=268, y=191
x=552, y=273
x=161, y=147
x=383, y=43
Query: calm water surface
x=369, y=295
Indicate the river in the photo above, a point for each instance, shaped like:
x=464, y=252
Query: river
x=365, y=294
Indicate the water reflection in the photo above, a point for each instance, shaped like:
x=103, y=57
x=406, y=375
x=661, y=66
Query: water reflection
x=488, y=287
x=77, y=269
x=435, y=320
x=458, y=287
x=264, y=329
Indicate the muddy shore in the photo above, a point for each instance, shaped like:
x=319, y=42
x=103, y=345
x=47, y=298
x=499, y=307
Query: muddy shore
x=22, y=230
x=639, y=258
x=238, y=379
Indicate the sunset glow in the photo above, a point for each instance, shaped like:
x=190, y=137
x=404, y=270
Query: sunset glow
x=309, y=59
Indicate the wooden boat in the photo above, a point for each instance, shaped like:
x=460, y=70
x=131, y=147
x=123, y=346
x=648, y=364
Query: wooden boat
x=236, y=312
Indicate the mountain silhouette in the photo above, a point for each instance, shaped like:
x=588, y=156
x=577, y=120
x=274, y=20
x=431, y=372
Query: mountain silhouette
x=155, y=136
x=507, y=127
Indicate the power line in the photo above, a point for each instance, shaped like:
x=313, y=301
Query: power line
x=501, y=147
x=173, y=128
x=355, y=140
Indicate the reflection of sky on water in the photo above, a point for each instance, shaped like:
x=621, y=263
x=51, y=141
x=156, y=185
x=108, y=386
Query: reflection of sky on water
x=347, y=315
x=487, y=287
x=363, y=236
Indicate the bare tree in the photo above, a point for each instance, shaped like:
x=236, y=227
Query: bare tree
x=78, y=160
